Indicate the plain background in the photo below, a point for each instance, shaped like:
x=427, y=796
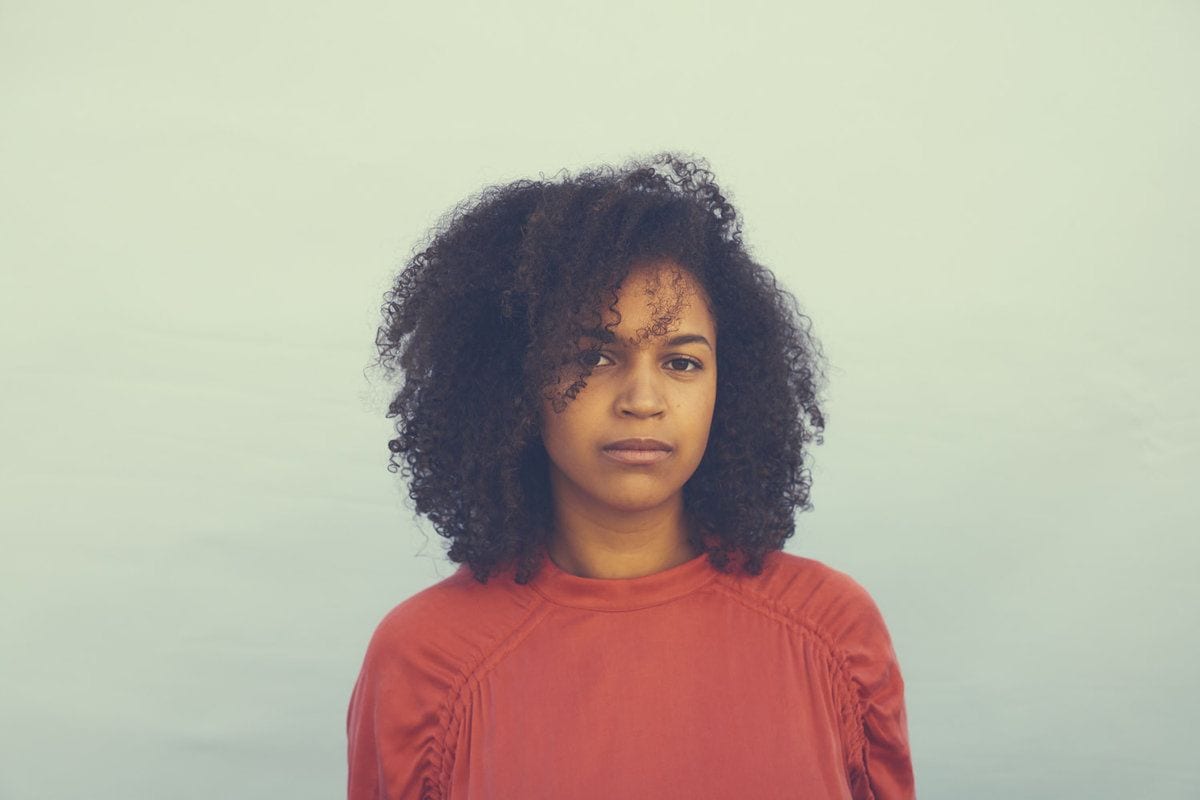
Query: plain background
x=989, y=210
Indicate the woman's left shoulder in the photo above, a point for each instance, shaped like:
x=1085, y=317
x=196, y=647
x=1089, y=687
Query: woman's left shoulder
x=826, y=599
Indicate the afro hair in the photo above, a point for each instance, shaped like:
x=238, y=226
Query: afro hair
x=484, y=318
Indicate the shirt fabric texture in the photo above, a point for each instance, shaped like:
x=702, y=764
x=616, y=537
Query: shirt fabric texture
x=686, y=683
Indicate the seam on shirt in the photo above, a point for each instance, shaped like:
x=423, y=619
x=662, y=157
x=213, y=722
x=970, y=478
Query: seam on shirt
x=455, y=699
x=851, y=707
x=584, y=607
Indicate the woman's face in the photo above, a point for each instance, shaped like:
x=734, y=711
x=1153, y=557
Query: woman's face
x=661, y=388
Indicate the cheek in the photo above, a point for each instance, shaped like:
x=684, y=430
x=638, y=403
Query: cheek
x=700, y=417
x=562, y=433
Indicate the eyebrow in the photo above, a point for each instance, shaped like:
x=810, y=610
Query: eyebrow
x=683, y=338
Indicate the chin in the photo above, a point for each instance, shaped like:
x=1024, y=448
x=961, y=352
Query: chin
x=636, y=501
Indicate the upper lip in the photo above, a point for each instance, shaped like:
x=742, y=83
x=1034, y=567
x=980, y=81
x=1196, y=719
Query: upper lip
x=637, y=444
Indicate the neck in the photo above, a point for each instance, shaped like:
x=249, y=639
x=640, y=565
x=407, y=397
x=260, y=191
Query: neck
x=594, y=544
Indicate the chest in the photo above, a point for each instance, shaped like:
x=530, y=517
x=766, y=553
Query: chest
x=605, y=708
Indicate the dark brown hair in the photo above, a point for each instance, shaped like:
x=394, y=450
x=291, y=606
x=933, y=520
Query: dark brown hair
x=484, y=319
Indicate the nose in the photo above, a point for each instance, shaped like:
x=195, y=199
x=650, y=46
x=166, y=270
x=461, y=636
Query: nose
x=641, y=394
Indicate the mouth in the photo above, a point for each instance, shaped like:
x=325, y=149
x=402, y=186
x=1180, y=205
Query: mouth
x=636, y=457
x=640, y=443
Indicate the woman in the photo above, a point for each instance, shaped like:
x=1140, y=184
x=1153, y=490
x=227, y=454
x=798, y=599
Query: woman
x=605, y=408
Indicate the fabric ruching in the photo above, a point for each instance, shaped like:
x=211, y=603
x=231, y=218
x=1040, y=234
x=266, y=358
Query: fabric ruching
x=879, y=763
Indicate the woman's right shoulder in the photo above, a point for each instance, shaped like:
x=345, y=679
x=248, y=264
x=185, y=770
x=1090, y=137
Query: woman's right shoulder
x=421, y=608
x=456, y=615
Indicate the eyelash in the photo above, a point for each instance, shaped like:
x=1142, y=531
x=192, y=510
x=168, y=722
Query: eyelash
x=694, y=362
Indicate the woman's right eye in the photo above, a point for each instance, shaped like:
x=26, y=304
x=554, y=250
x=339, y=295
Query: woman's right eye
x=587, y=354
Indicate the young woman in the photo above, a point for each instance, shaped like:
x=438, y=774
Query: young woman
x=605, y=408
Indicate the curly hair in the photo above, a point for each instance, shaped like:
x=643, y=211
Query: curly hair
x=482, y=321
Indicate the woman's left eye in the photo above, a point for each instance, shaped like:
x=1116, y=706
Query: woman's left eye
x=691, y=361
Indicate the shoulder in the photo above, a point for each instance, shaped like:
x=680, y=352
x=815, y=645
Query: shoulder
x=399, y=720
x=834, y=608
x=828, y=603
x=449, y=625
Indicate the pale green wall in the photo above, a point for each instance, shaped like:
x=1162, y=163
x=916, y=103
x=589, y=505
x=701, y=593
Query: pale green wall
x=989, y=210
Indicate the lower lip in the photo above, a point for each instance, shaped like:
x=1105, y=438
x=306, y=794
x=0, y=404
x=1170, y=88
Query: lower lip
x=637, y=456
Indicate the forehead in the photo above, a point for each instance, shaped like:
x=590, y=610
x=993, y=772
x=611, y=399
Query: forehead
x=657, y=296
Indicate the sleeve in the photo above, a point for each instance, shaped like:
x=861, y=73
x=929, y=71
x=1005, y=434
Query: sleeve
x=875, y=730
x=397, y=718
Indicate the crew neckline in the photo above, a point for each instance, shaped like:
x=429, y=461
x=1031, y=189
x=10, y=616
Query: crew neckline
x=621, y=594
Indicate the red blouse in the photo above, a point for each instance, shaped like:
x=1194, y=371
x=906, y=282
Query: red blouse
x=686, y=683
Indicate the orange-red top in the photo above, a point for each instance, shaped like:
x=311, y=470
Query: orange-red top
x=686, y=683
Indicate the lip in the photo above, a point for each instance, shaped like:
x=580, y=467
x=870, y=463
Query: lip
x=638, y=444
x=637, y=457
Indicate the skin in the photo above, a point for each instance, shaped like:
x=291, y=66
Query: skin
x=614, y=520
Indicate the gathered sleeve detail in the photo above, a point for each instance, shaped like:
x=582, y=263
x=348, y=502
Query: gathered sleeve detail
x=875, y=721
x=400, y=715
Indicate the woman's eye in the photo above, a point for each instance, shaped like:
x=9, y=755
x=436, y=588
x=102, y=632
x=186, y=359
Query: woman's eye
x=588, y=354
x=691, y=361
